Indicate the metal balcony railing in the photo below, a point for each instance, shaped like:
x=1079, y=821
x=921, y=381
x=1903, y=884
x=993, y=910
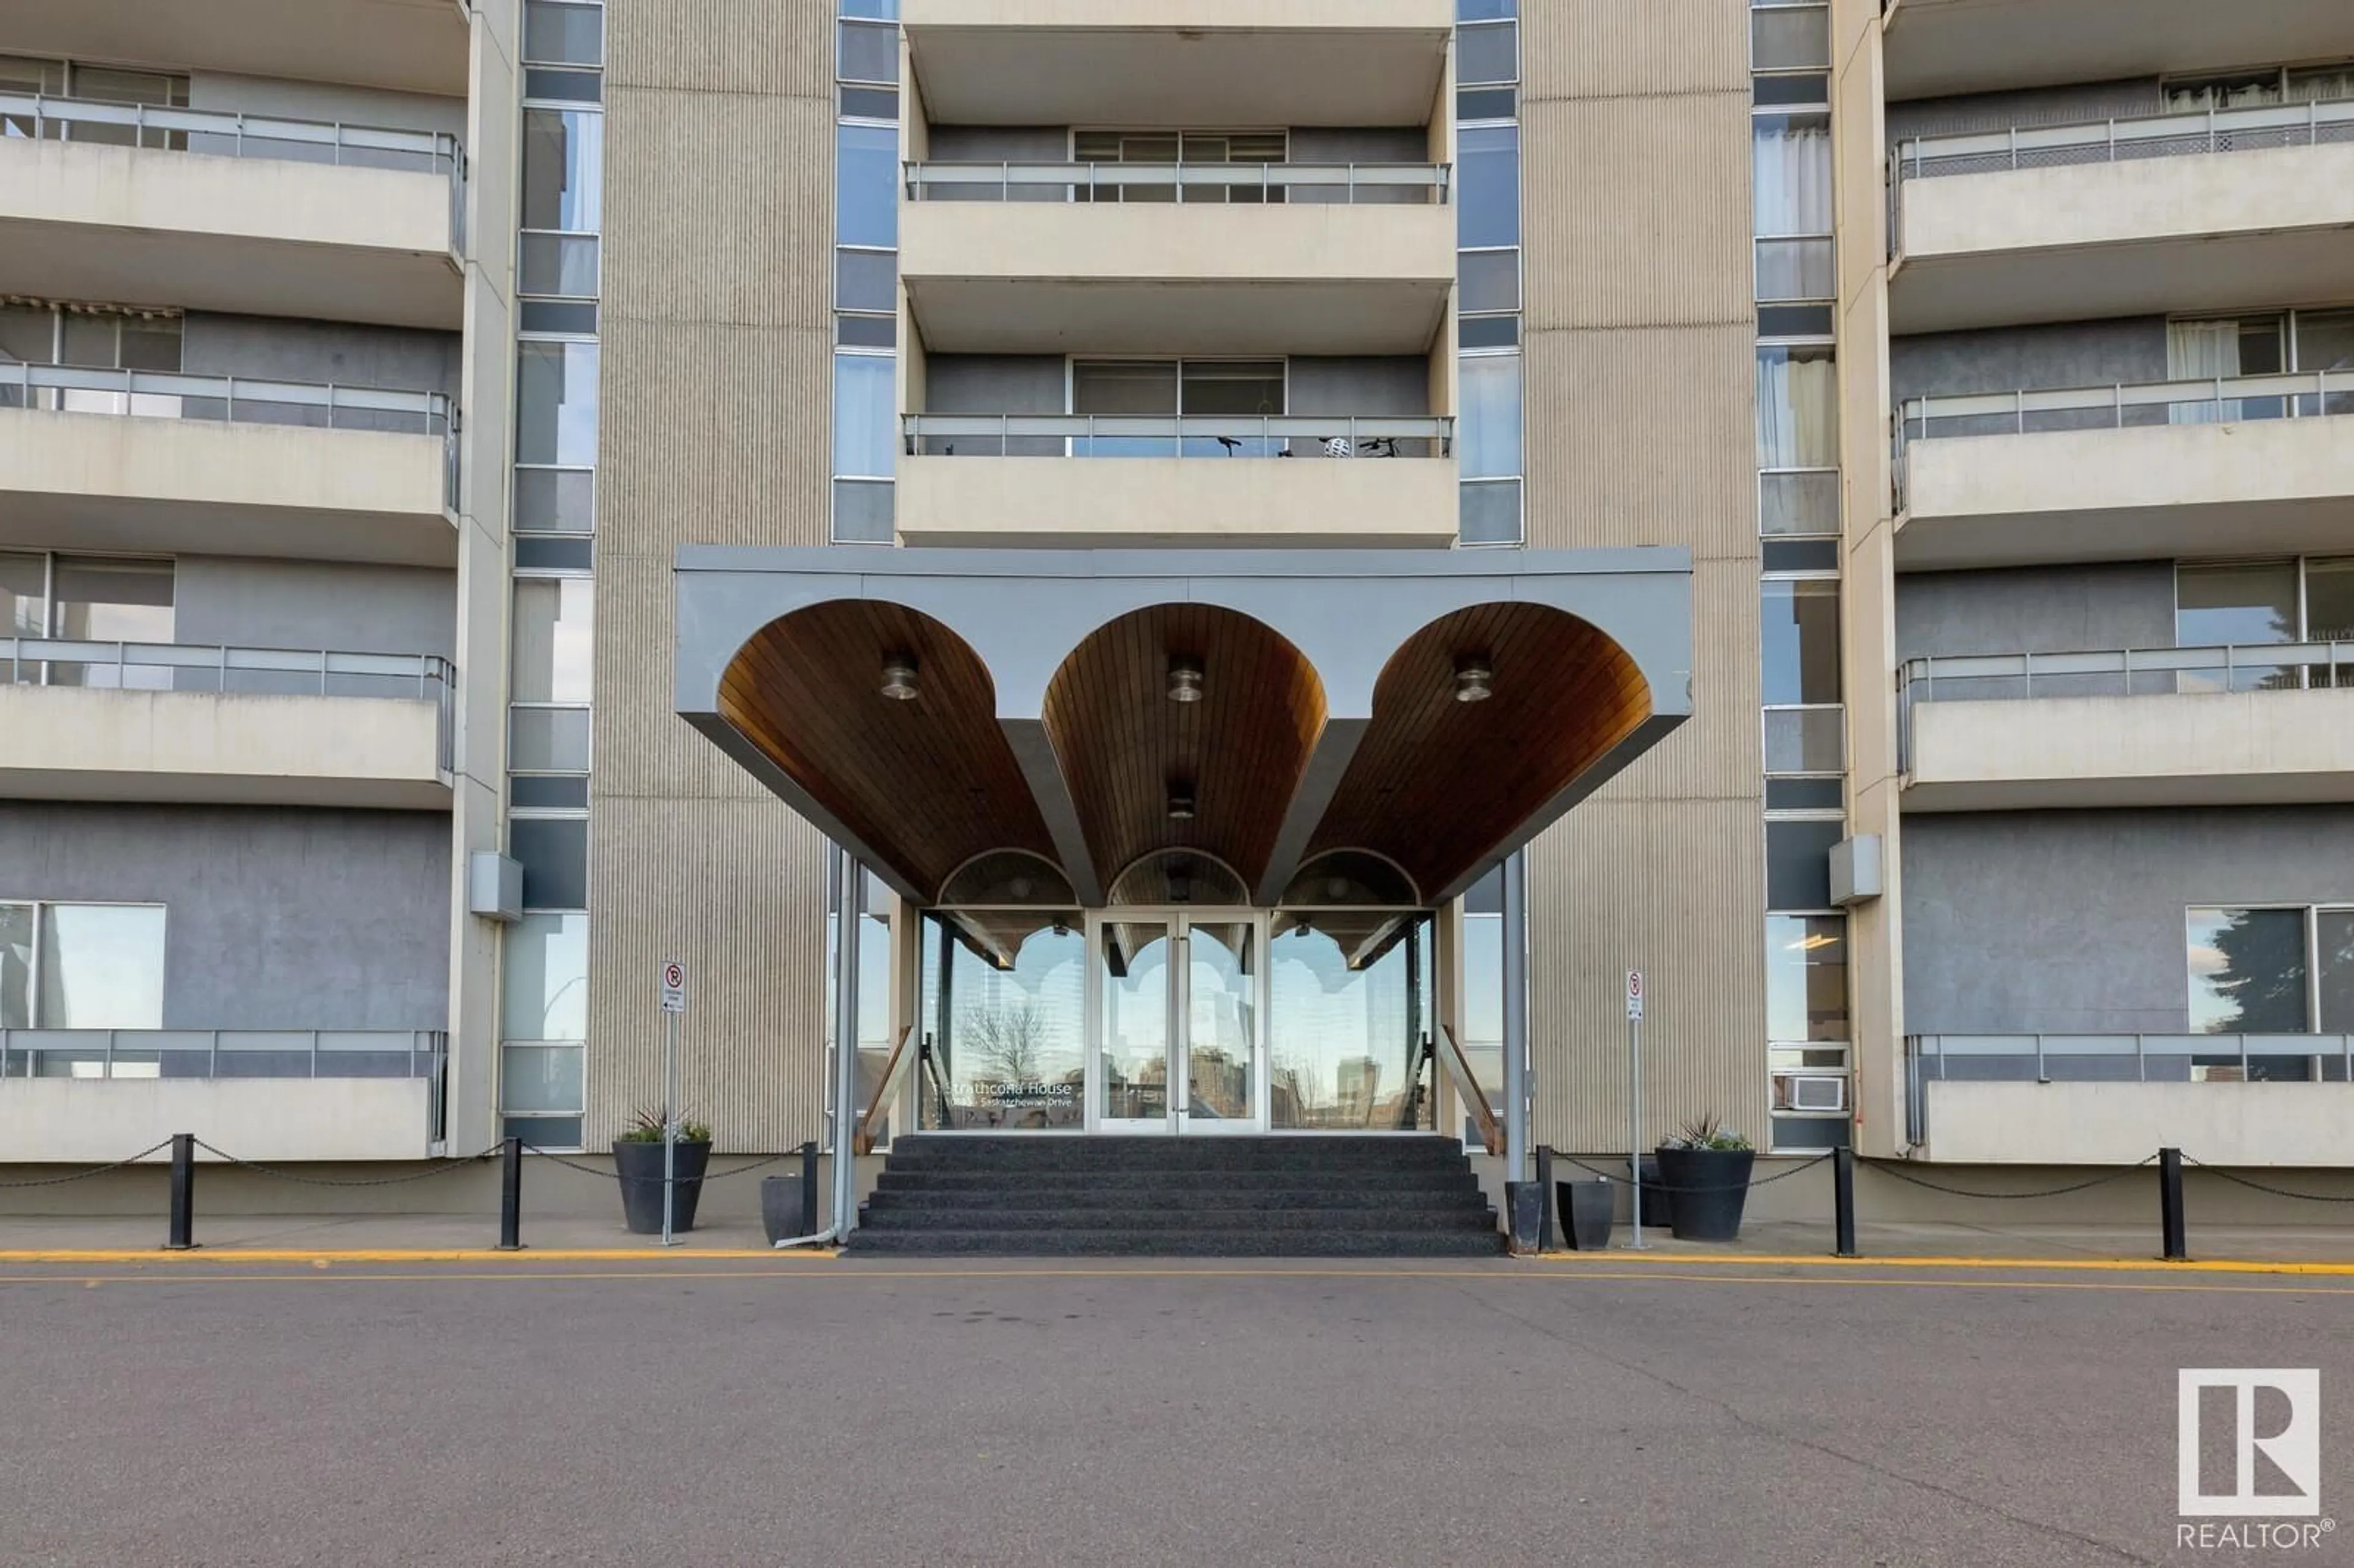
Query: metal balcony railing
x=2219, y=401
x=2116, y=141
x=2039, y=1057
x=1198, y=435
x=225, y=133
x=257, y=672
x=238, y=400
x=234, y=1054
x=1248, y=184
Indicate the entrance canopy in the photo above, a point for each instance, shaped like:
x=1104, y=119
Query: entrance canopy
x=1287, y=720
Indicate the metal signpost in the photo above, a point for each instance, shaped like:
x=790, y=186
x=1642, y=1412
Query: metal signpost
x=1635, y=1097
x=673, y=1002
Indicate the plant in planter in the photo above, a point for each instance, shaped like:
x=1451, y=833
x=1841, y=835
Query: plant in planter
x=1705, y=1168
x=637, y=1161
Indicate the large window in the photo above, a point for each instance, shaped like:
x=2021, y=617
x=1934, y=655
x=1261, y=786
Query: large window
x=2249, y=604
x=86, y=598
x=1488, y=265
x=2277, y=970
x=81, y=966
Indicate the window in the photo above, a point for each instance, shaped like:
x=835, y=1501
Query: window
x=554, y=635
x=563, y=170
x=1801, y=625
x=1488, y=193
x=1489, y=441
x=2248, y=971
x=556, y=403
x=1790, y=37
x=866, y=186
x=1177, y=147
x=2251, y=604
x=1805, y=978
x=1483, y=985
x=547, y=979
x=81, y=966
x=1798, y=406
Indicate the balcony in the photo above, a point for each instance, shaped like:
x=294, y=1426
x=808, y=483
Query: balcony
x=2116, y=1099
x=93, y=1096
x=156, y=460
x=1051, y=480
x=175, y=723
x=1935, y=48
x=2255, y=464
x=2177, y=213
x=409, y=45
x=230, y=212
x=2174, y=727
x=1323, y=258
x=1156, y=63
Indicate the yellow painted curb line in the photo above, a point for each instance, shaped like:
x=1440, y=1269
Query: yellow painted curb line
x=1618, y=1257
x=398, y=1255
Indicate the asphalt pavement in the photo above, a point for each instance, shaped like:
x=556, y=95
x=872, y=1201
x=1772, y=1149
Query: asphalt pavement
x=825, y=1411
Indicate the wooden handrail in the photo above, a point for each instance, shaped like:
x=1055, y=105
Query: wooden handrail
x=863, y=1142
x=1467, y=1085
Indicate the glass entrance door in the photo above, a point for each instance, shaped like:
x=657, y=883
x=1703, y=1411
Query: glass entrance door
x=1178, y=1046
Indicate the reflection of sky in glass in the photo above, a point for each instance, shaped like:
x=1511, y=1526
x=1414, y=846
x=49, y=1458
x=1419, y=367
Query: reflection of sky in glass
x=547, y=979
x=1338, y=1043
x=2247, y=971
x=102, y=966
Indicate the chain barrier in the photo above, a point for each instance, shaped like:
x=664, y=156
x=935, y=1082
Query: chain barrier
x=440, y=1170
x=2263, y=1187
x=1888, y=1169
x=1663, y=1187
x=656, y=1181
x=93, y=1170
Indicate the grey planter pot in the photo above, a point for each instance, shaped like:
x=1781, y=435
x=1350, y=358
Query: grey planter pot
x=1587, y=1208
x=640, y=1167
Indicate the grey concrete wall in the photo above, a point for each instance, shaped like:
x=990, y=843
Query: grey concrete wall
x=999, y=143
x=315, y=604
x=1385, y=386
x=276, y=917
x=1360, y=144
x=325, y=100
x=2036, y=609
x=2074, y=920
x=397, y=358
x=994, y=384
x=2006, y=359
x=2034, y=106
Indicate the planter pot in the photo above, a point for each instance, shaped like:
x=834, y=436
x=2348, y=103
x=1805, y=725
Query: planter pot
x=640, y=1167
x=787, y=1206
x=1525, y=1205
x=1586, y=1209
x=1658, y=1203
x=1709, y=1185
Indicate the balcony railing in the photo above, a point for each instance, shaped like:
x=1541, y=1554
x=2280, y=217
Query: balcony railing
x=237, y=399
x=2118, y=141
x=258, y=672
x=225, y=133
x=2219, y=401
x=234, y=1054
x=1247, y=184
x=2118, y=1058
x=1193, y=436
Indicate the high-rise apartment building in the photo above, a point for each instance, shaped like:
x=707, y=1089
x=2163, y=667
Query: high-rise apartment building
x=1177, y=566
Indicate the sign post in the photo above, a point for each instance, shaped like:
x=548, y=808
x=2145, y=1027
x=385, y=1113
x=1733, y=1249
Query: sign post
x=673, y=1002
x=1635, y=1098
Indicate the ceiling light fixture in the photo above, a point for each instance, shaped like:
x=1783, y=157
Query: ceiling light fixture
x=1184, y=680
x=1180, y=807
x=1475, y=679
x=900, y=677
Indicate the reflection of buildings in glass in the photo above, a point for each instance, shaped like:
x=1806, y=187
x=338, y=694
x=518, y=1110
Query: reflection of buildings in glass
x=1220, y=1085
x=1335, y=1034
x=1355, y=1079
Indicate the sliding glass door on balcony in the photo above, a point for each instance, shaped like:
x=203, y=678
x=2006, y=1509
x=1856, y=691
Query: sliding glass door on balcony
x=1114, y=389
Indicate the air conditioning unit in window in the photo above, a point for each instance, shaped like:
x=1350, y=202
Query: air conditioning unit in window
x=1818, y=1093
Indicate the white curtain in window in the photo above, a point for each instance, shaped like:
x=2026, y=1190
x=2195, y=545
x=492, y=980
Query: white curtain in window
x=1798, y=410
x=2201, y=350
x=1792, y=166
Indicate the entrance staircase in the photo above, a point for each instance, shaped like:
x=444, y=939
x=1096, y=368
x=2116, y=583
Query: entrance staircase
x=1334, y=1196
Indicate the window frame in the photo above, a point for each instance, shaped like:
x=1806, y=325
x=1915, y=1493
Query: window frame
x=40, y=908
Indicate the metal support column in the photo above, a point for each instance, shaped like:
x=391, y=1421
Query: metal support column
x=848, y=916
x=1516, y=1017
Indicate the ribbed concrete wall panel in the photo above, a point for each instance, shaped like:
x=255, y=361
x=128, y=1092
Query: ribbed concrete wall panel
x=1716, y=754
x=1643, y=437
x=774, y=48
x=1635, y=211
x=1614, y=49
x=714, y=191
x=735, y=891
x=643, y=747
x=1677, y=890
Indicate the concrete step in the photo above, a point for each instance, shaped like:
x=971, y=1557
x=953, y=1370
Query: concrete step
x=1115, y=1186
x=1429, y=1217
x=1157, y=1242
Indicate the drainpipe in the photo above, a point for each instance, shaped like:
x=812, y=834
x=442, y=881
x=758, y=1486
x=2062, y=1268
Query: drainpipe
x=1516, y=1017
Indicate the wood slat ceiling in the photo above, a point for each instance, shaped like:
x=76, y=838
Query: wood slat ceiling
x=1125, y=748
x=927, y=783
x=1436, y=784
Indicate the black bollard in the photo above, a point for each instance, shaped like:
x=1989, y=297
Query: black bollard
x=510, y=1195
x=2169, y=1204
x=808, y=1188
x=1843, y=1200
x=179, y=1236
x=1545, y=1186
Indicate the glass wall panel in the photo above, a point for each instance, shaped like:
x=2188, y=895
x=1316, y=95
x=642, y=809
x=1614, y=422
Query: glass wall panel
x=2247, y=971
x=556, y=34
x=1491, y=513
x=24, y=584
x=561, y=264
x=866, y=186
x=15, y=965
x=563, y=170
x=1790, y=156
x=542, y=1079
x=1351, y=1008
x=555, y=500
x=2247, y=603
x=1797, y=863
x=1799, y=624
x=865, y=439
x=1488, y=188
x=554, y=636
x=1489, y=441
x=1797, y=408
x=1787, y=38
x=2329, y=601
x=556, y=403
x=865, y=53
x=2335, y=931
x=554, y=856
x=1491, y=280
x=101, y=966
x=1487, y=54
x=546, y=979
x=1805, y=976
x=1004, y=1002
x=1222, y=1027
x=104, y=599
x=1135, y=981
x=1804, y=740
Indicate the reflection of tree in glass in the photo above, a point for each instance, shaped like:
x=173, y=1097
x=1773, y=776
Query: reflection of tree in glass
x=2263, y=973
x=1008, y=1040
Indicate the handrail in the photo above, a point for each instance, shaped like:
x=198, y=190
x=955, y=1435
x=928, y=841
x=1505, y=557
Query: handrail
x=863, y=1141
x=1918, y=677
x=2302, y=395
x=197, y=1053
x=2145, y=135
x=932, y=1070
x=258, y=397
x=2032, y=1053
x=440, y=150
x=1467, y=1085
x=1262, y=435
x=1056, y=181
